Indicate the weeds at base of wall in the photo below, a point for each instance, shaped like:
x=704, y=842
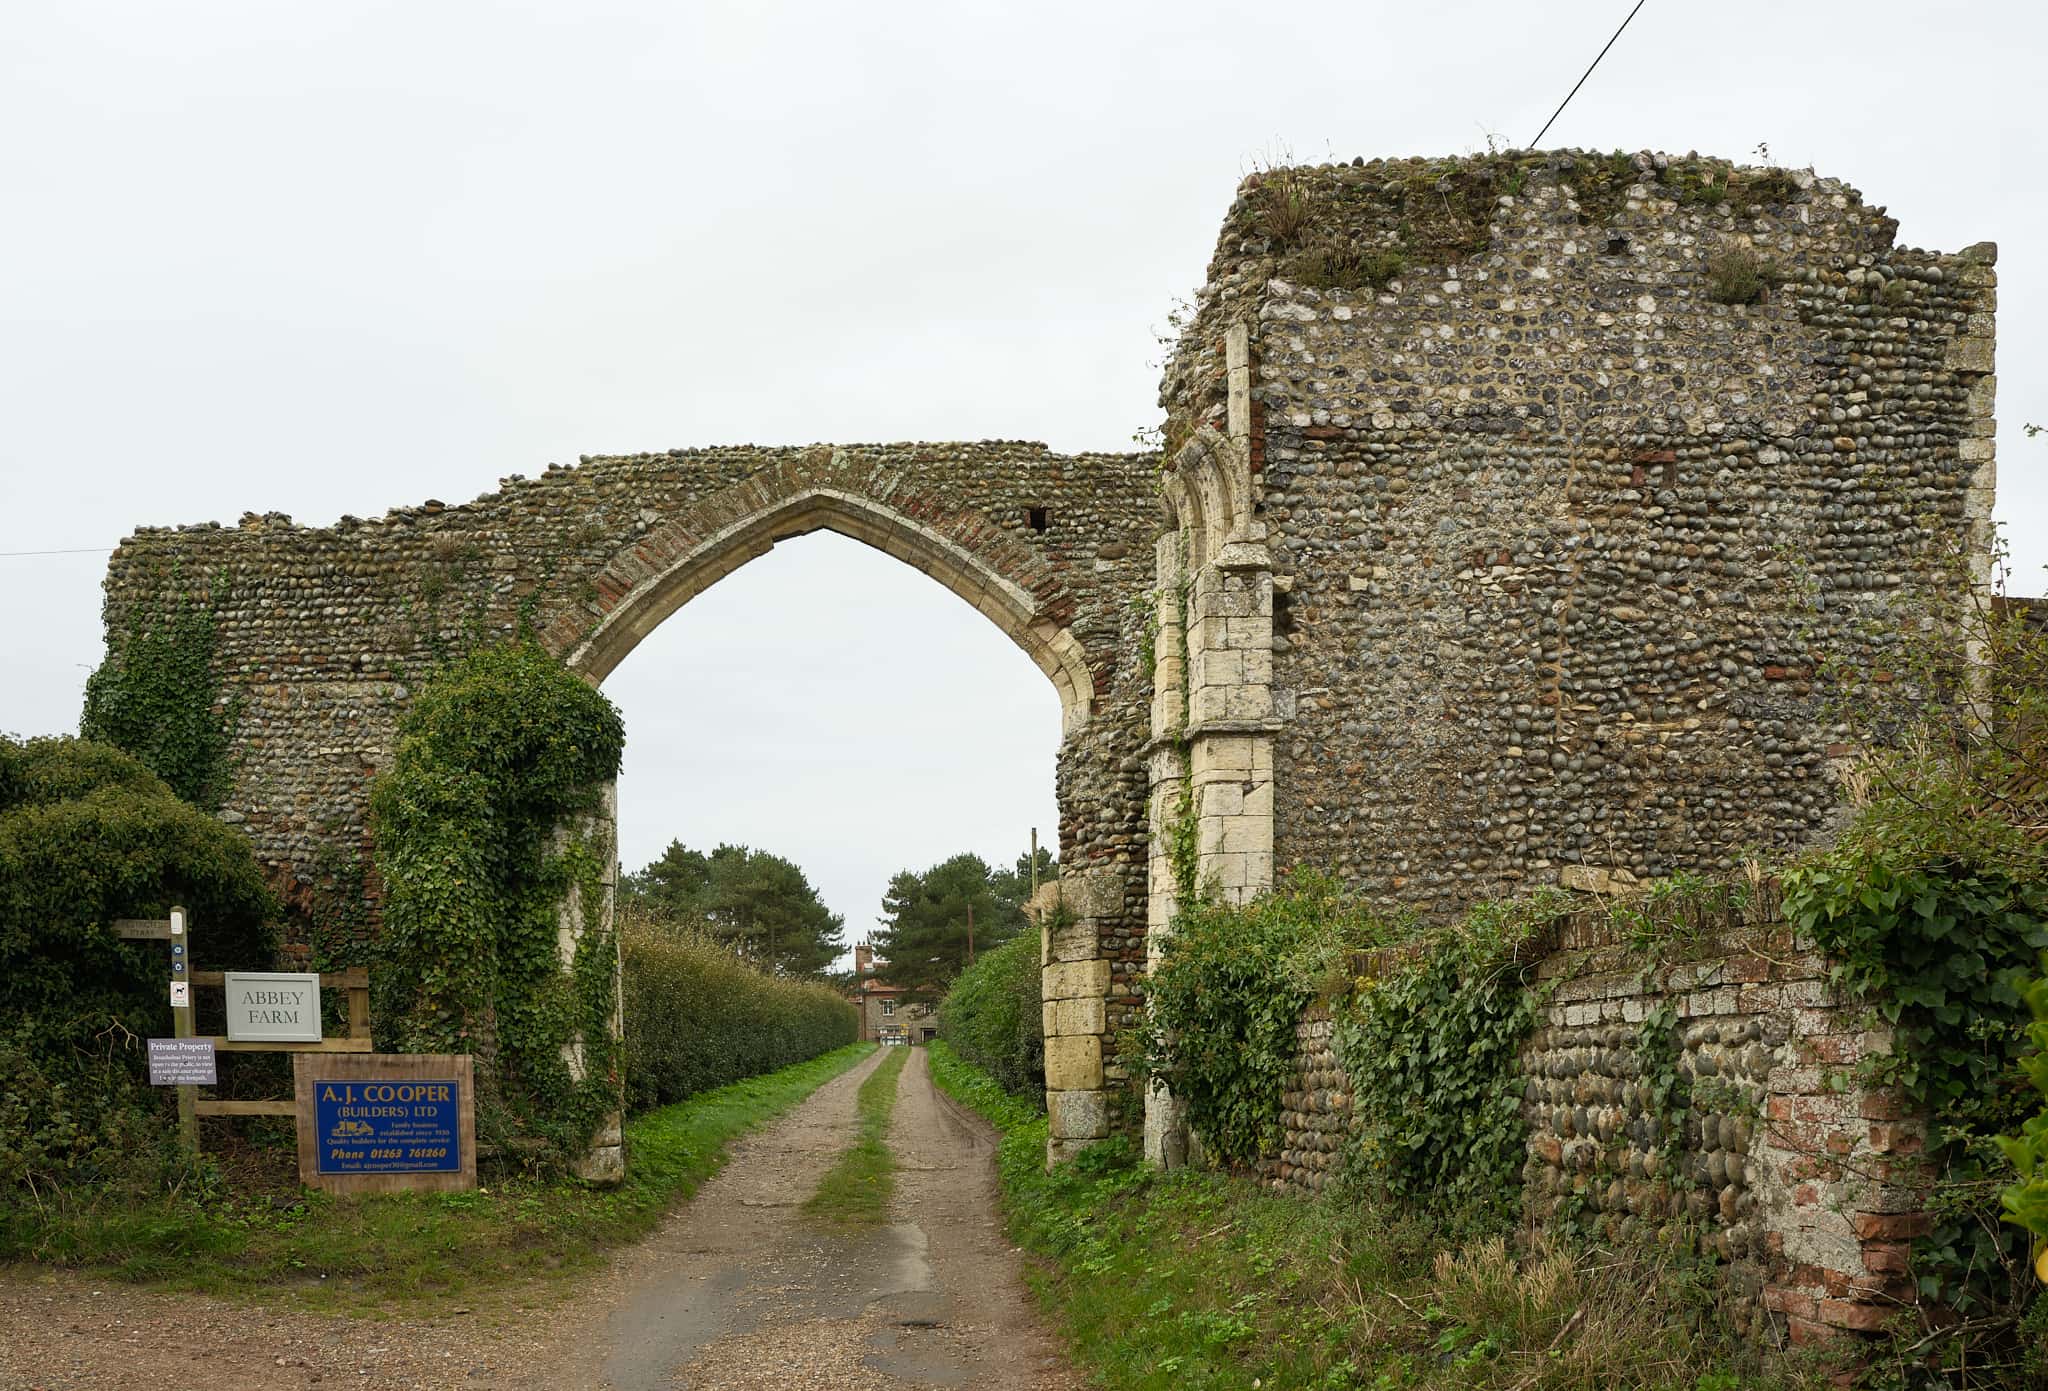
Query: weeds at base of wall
x=1199, y=1281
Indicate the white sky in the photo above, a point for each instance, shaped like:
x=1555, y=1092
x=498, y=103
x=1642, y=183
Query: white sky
x=334, y=258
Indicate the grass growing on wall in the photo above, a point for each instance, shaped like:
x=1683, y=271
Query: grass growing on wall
x=322, y=1253
x=1199, y=1281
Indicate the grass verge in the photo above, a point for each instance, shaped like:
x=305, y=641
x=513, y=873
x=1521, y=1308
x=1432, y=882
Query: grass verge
x=361, y=1253
x=1196, y=1280
x=855, y=1191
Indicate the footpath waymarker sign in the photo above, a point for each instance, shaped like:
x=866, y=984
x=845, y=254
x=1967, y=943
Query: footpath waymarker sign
x=183, y=1062
x=272, y=1006
x=386, y=1122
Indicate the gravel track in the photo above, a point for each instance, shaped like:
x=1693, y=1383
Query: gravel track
x=736, y=1290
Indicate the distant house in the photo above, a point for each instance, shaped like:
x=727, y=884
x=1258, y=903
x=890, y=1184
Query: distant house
x=887, y=1013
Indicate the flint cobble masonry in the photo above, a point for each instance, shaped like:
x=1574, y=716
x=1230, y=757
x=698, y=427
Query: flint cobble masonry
x=323, y=633
x=1804, y=1181
x=1557, y=536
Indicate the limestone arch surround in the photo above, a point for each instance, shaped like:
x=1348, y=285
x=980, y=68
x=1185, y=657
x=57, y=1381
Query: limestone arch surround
x=1213, y=717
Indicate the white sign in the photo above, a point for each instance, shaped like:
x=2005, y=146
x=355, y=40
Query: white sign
x=181, y=994
x=273, y=1007
x=182, y=1062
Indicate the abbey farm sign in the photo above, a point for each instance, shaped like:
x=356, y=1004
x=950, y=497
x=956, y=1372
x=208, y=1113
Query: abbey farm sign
x=273, y=1007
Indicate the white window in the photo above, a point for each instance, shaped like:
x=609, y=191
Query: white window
x=888, y=1008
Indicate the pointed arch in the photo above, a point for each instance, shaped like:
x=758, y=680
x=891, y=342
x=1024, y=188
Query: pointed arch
x=652, y=578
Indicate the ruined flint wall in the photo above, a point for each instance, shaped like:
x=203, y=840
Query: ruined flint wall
x=1798, y=1175
x=325, y=632
x=1557, y=535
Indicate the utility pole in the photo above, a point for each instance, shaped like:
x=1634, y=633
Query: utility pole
x=970, y=934
x=1034, y=862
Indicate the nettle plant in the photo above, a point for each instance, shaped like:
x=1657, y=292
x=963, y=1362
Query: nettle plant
x=497, y=759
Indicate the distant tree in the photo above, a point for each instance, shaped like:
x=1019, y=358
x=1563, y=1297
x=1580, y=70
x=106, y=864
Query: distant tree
x=1015, y=884
x=923, y=941
x=758, y=903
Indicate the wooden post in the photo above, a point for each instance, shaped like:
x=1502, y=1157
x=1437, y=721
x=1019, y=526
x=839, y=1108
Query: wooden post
x=181, y=1020
x=359, y=1011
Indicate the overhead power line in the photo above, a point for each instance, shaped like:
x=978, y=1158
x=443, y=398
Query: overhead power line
x=76, y=550
x=1533, y=144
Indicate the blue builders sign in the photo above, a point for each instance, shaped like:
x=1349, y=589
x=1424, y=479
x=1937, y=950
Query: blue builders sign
x=396, y=1127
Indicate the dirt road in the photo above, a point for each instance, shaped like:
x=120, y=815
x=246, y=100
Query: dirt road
x=737, y=1290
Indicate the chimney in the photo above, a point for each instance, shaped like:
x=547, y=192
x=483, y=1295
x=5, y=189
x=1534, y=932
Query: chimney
x=863, y=960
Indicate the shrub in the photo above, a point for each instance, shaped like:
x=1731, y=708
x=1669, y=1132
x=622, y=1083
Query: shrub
x=88, y=835
x=1224, y=1000
x=992, y=1017
x=698, y=1017
x=497, y=755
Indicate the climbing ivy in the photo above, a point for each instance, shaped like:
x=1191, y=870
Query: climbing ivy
x=157, y=694
x=1431, y=1045
x=500, y=751
x=1938, y=952
x=1224, y=999
x=1933, y=909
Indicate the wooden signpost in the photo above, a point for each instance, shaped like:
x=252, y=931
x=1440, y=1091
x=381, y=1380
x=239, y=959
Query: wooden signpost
x=367, y=1122
x=177, y=931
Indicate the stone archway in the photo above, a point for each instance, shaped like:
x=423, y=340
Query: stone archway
x=654, y=577
x=324, y=632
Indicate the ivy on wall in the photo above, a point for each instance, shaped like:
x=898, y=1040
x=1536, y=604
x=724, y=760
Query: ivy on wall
x=496, y=760
x=1933, y=906
x=1432, y=1045
x=157, y=696
x=1938, y=952
x=1224, y=999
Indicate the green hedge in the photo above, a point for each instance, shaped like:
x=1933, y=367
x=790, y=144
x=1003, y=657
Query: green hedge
x=88, y=835
x=992, y=1017
x=698, y=1017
